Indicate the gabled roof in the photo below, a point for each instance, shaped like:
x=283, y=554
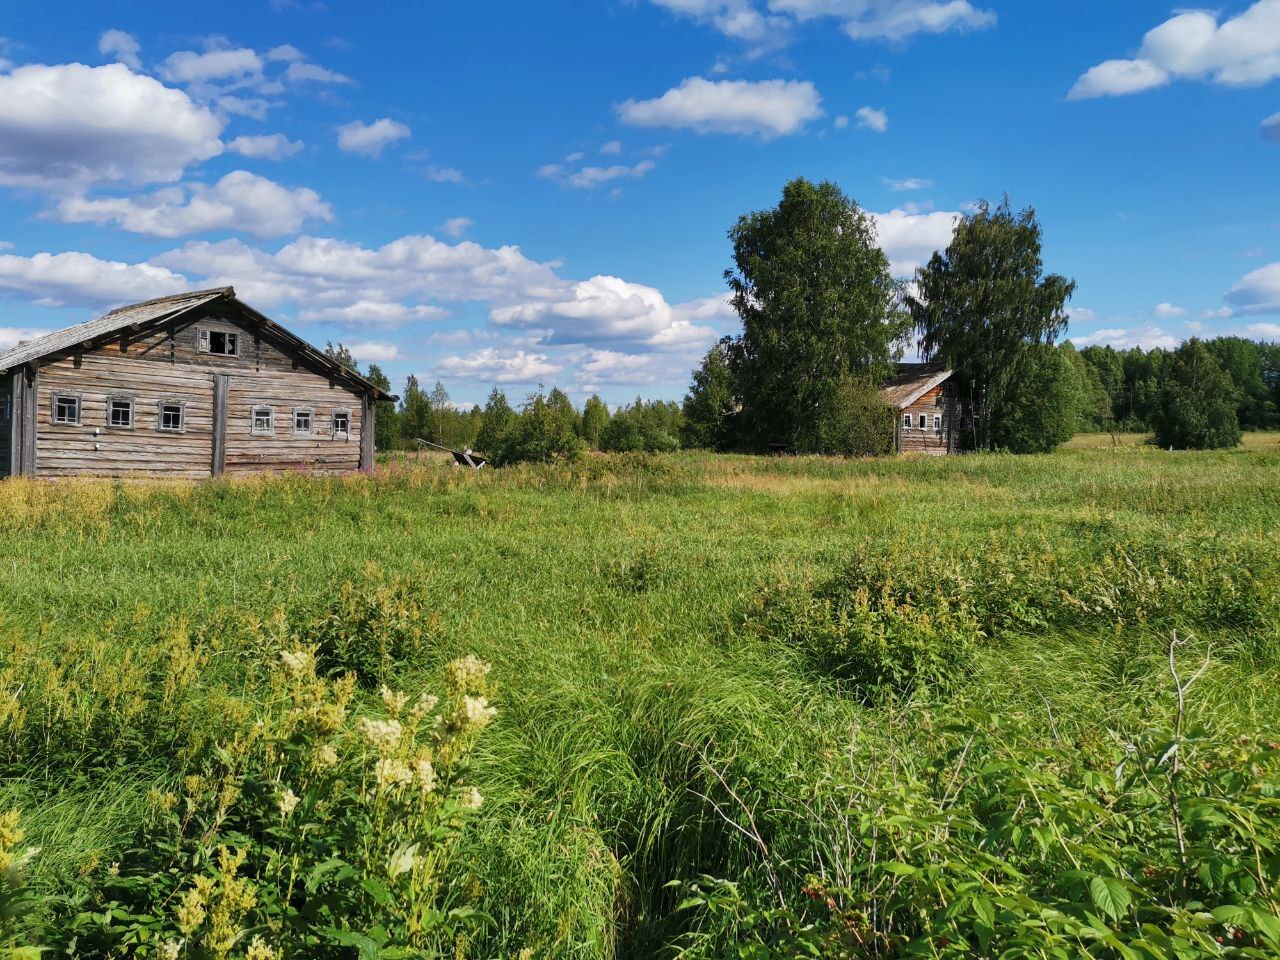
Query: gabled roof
x=913, y=381
x=137, y=315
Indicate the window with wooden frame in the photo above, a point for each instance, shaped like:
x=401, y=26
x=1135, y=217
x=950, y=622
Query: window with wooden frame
x=223, y=343
x=937, y=422
x=341, y=424
x=263, y=422
x=924, y=421
x=906, y=421
x=303, y=421
x=171, y=416
x=66, y=409
x=120, y=413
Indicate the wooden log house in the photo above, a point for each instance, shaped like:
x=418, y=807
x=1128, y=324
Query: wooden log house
x=924, y=405
x=192, y=385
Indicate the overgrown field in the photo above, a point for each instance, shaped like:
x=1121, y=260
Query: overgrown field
x=745, y=708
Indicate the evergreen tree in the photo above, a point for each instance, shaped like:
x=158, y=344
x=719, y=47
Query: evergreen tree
x=1197, y=408
x=595, y=417
x=981, y=308
x=817, y=303
x=711, y=403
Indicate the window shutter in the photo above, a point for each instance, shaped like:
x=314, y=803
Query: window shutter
x=204, y=341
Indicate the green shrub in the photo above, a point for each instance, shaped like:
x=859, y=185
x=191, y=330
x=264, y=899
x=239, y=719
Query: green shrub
x=317, y=834
x=370, y=628
x=541, y=432
x=882, y=641
x=851, y=420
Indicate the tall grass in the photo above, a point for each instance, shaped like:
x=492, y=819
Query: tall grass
x=651, y=623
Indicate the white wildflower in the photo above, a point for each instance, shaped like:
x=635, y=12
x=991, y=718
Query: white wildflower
x=288, y=801
x=296, y=661
x=382, y=735
x=170, y=950
x=471, y=799
x=393, y=701
x=424, y=775
x=477, y=711
x=426, y=703
x=392, y=773
x=326, y=756
x=467, y=672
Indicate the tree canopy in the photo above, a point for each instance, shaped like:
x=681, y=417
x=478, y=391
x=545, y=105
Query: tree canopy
x=981, y=307
x=817, y=303
x=1197, y=407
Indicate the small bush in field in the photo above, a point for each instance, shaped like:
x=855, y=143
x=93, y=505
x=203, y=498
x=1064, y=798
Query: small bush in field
x=367, y=630
x=882, y=642
x=320, y=833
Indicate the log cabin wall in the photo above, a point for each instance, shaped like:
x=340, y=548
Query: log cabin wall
x=6, y=425
x=166, y=365
x=935, y=411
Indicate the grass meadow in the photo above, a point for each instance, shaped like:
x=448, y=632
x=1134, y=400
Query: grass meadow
x=745, y=707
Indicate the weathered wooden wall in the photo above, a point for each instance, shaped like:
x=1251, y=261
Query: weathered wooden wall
x=283, y=390
x=164, y=364
x=6, y=424
x=929, y=440
x=93, y=447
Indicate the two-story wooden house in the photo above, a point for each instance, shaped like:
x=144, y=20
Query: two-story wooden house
x=193, y=385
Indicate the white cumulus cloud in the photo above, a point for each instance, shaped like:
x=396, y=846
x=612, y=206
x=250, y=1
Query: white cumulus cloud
x=275, y=146
x=190, y=67
x=1258, y=291
x=72, y=126
x=589, y=177
x=860, y=19
x=60, y=279
x=1122, y=338
x=240, y=201
x=872, y=119
x=910, y=239
x=497, y=365
x=765, y=108
x=604, y=309
x=1168, y=311
x=456, y=226
x=1238, y=51
x=372, y=351
x=123, y=46
x=1271, y=128
x=370, y=138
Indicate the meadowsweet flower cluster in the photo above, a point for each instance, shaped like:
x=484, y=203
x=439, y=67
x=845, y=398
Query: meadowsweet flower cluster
x=383, y=781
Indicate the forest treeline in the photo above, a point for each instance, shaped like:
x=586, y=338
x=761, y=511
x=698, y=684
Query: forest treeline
x=824, y=323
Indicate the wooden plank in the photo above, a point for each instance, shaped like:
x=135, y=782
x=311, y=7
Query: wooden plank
x=219, y=423
x=28, y=380
x=368, y=411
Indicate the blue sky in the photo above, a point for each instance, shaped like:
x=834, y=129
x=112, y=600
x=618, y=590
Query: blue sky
x=526, y=193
